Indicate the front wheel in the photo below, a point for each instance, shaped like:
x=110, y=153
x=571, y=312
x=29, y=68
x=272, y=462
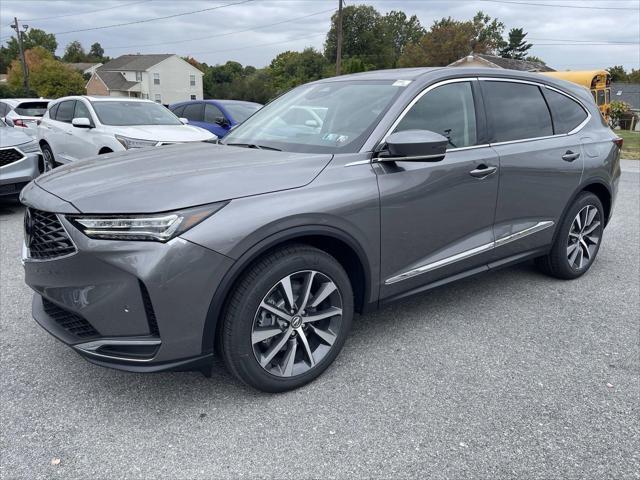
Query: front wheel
x=578, y=239
x=287, y=319
x=48, y=162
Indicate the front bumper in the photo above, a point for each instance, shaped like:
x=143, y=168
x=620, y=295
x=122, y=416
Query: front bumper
x=16, y=175
x=138, y=306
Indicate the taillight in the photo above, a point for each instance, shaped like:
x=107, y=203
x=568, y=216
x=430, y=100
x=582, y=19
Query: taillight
x=19, y=123
x=618, y=141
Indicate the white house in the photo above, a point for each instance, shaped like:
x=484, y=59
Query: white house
x=164, y=78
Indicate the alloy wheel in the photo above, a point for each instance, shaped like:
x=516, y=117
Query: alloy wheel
x=297, y=323
x=47, y=160
x=584, y=236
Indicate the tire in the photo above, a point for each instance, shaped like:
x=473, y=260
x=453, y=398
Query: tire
x=48, y=160
x=302, y=352
x=577, y=241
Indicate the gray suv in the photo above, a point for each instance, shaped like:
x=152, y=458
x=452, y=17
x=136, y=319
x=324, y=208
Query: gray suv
x=261, y=248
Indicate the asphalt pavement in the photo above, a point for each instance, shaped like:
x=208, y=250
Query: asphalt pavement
x=509, y=374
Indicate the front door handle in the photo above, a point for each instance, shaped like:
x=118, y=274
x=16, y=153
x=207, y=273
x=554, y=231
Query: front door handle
x=483, y=171
x=569, y=156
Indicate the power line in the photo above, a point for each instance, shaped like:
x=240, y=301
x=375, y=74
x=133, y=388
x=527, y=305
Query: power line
x=531, y=4
x=83, y=13
x=154, y=19
x=219, y=34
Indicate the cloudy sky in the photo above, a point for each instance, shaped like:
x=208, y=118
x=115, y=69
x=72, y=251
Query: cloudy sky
x=568, y=34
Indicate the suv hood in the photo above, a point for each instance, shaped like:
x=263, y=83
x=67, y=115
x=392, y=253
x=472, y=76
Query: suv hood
x=165, y=133
x=160, y=179
x=11, y=137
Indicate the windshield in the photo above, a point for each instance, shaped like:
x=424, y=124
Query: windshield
x=32, y=109
x=332, y=117
x=133, y=113
x=241, y=111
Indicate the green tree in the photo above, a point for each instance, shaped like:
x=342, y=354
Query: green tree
x=401, y=31
x=364, y=35
x=634, y=76
x=618, y=73
x=74, y=53
x=534, y=59
x=290, y=69
x=32, y=38
x=516, y=47
x=48, y=77
x=96, y=52
x=488, y=34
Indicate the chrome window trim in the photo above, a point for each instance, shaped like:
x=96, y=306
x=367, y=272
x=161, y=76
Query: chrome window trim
x=538, y=227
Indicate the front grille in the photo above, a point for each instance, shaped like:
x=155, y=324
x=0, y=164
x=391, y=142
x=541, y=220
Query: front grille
x=9, y=155
x=71, y=322
x=45, y=236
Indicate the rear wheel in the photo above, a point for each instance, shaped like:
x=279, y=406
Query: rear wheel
x=287, y=319
x=48, y=162
x=578, y=239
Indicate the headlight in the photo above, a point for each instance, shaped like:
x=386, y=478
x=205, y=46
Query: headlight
x=30, y=147
x=160, y=227
x=135, y=142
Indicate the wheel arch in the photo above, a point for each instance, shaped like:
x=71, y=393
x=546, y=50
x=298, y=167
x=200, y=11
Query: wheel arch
x=342, y=246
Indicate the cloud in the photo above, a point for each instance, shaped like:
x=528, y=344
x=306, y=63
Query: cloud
x=256, y=43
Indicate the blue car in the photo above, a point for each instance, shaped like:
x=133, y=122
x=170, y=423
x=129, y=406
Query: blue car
x=217, y=116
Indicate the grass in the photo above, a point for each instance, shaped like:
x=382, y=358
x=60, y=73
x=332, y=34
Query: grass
x=631, y=145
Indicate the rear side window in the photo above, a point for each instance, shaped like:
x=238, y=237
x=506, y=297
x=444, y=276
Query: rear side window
x=567, y=113
x=65, y=111
x=447, y=110
x=516, y=111
x=194, y=112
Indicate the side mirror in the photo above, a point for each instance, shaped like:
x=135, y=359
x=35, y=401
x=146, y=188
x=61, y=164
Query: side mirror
x=415, y=146
x=184, y=120
x=223, y=122
x=81, y=122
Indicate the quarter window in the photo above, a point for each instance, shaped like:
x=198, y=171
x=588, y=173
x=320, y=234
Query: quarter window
x=447, y=110
x=65, y=111
x=517, y=111
x=53, y=111
x=567, y=113
x=194, y=112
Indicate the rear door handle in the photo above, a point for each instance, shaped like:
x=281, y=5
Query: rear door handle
x=483, y=171
x=569, y=156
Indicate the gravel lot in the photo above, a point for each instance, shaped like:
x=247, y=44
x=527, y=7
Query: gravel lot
x=506, y=375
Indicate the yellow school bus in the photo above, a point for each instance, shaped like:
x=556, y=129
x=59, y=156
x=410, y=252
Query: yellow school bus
x=598, y=81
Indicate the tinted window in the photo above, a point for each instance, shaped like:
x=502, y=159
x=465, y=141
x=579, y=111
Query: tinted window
x=178, y=110
x=447, y=110
x=516, y=111
x=194, y=112
x=211, y=113
x=53, y=110
x=65, y=111
x=81, y=111
x=567, y=114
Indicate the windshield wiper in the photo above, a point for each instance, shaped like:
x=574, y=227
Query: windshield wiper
x=253, y=145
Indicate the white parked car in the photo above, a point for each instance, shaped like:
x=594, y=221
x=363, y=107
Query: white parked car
x=23, y=113
x=79, y=127
x=20, y=160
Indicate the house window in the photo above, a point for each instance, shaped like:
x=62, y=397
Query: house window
x=138, y=76
x=156, y=79
x=192, y=80
x=193, y=97
x=158, y=98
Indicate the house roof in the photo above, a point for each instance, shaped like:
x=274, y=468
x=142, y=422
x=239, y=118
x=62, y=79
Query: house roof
x=115, y=80
x=626, y=92
x=506, y=63
x=138, y=63
x=83, y=65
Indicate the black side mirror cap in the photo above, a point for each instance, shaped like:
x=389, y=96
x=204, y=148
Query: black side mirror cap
x=415, y=145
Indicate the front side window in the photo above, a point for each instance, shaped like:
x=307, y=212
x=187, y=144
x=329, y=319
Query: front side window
x=194, y=112
x=156, y=79
x=212, y=113
x=516, y=111
x=447, y=110
x=192, y=80
x=336, y=117
x=122, y=113
x=81, y=111
x=241, y=111
x=567, y=113
x=65, y=111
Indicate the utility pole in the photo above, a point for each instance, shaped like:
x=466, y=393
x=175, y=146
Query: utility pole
x=25, y=72
x=339, y=40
